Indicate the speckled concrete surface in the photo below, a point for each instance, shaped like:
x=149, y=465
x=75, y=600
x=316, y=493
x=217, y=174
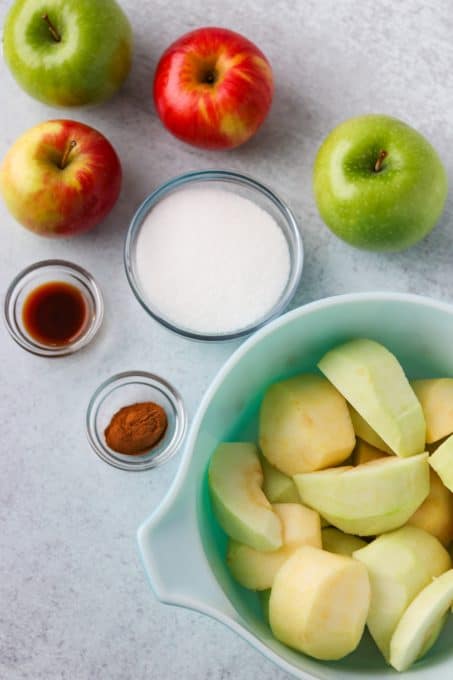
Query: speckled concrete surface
x=74, y=601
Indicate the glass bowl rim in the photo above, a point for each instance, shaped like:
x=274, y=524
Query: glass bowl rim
x=295, y=248
x=149, y=460
x=82, y=340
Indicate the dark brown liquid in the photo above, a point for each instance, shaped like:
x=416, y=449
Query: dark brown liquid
x=55, y=313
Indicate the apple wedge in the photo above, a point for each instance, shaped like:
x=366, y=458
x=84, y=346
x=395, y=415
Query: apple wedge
x=256, y=570
x=319, y=603
x=305, y=425
x=436, y=397
x=442, y=462
x=400, y=564
x=373, y=382
x=422, y=622
x=242, y=510
x=277, y=487
x=335, y=541
x=366, y=433
x=368, y=499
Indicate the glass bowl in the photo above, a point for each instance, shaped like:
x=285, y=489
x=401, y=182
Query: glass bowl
x=128, y=388
x=44, y=272
x=238, y=184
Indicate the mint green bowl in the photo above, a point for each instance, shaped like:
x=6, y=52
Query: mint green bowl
x=181, y=544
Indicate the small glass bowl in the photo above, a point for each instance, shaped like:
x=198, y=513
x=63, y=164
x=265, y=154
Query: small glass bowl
x=44, y=272
x=248, y=188
x=128, y=388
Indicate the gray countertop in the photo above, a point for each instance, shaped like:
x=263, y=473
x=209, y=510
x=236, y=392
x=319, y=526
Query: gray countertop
x=74, y=600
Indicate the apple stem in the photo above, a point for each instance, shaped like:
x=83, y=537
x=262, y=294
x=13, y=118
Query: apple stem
x=69, y=148
x=380, y=159
x=53, y=31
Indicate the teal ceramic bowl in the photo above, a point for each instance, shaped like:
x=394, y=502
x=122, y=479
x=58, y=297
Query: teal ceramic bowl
x=181, y=544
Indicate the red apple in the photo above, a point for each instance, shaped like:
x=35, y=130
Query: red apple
x=213, y=88
x=60, y=178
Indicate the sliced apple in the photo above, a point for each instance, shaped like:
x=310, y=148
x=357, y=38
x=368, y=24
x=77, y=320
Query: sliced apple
x=368, y=499
x=413, y=636
x=319, y=603
x=435, y=514
x=256, y=570
x=366, y=433
x=242, y=510
x=373, y=382
x=277, y=487
x=335, y=541
x=442, y=462
x=305, y=425
x=366, y=453
x=436, y=397
x=400, y=564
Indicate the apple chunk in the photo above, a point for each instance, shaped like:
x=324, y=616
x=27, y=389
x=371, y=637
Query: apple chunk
x=319, y=603
x=305, y=425
x=442, y=462
x=368, y=499
x=426, y=614
x=242, y=510
x=436, y=397
x=399, y=565
x=372, y=380
x=435, y=514
x=256, y=570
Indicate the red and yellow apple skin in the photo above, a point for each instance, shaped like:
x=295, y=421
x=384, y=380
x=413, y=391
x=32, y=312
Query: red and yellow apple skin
x=213, y=88
x=60, y=178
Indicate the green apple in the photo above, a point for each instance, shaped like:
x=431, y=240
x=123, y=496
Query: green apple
x=336, y=541
x=436, y=397
x=442, y=462
x=378, y=183
x=368, y=499
x=400, y=564
x=372, y=380
x=422, y=622
x=235, y=482
x=305, y=425
x=319, y=603
x=255, y=569
x=68, y=52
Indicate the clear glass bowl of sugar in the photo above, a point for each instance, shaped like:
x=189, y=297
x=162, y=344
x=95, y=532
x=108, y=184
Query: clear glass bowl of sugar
x=213, y=255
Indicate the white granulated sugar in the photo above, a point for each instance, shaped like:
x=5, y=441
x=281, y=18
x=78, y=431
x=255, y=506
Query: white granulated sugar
x=211, y=261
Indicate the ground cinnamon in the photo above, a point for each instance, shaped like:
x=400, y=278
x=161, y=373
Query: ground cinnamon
x=136, y=428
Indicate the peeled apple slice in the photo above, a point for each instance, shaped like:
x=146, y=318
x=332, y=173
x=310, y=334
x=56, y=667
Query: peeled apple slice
x=436, y=397
x=365, y=453
x=365, y=432
x=400, y=564
x=442, y=462
x=256, y=570
x=435, y=514
x=242, y=510
x=415, y=628
x=373, y=382
x=368, y=499
x=336, y=541
x=319, y=603
x=277, y=487
x=305, y=425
